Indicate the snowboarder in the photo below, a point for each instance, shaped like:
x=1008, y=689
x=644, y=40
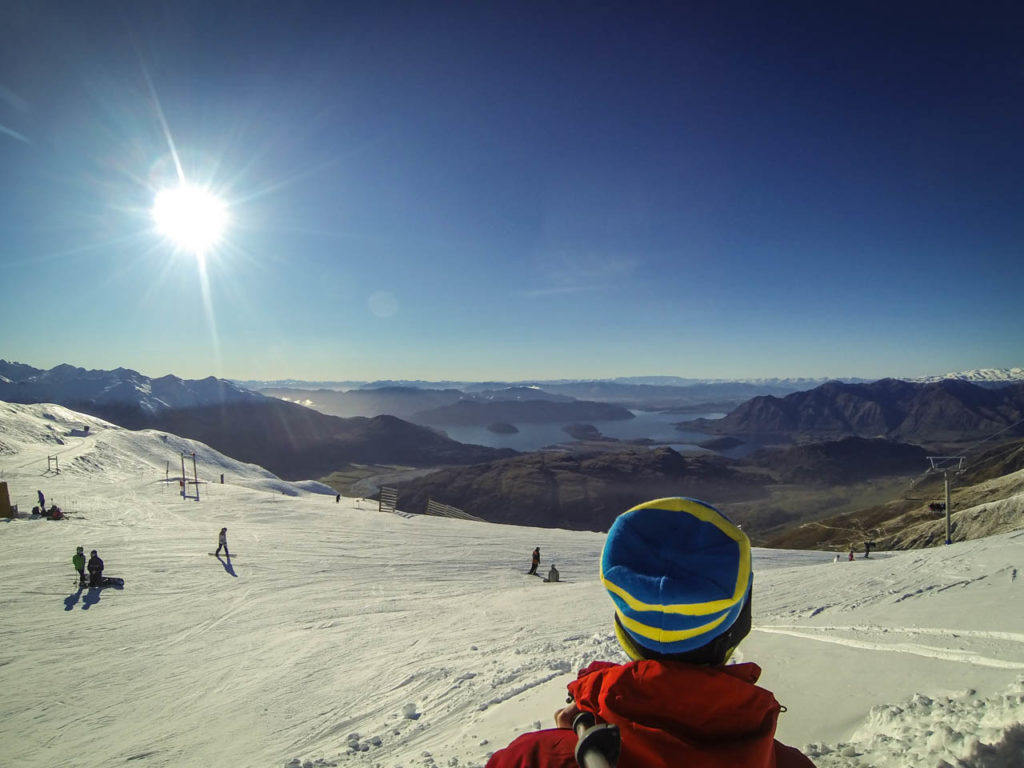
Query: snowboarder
x=851, y=556
x=679, y=575
x=42, y=503
x=337, y=498
x=535, y=562
x=78, y=560
x=222, y=541
x=552, y=574
x=95, y=570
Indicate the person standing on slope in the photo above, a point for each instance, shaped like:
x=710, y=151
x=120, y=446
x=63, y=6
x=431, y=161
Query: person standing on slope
x=679, y=575
x=534, y=562
x=95, y=569
x=222, y=541
x=78, y=560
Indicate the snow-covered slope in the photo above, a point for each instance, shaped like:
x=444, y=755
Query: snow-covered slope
x=340, y=635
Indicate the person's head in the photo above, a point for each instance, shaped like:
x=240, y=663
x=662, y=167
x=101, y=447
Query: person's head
x=679, y=574
x=80, y=550
x=223, y=530
x=93, y=553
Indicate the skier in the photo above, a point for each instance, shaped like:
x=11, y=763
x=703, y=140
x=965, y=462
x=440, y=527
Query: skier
x=222, y=541
x=552, y=574
x=535, y=562
x=78, y=560
x=95, y=570
x=679, y=575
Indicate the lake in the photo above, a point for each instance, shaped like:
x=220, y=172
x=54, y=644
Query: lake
x=647, y=424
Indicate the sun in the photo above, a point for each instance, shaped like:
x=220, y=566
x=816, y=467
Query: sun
x=192, y=218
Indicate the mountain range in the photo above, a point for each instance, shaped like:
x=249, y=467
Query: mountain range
x=288, y=439
x=532, y=403
x=571, y=488
x=948, y=410
x=976, y=375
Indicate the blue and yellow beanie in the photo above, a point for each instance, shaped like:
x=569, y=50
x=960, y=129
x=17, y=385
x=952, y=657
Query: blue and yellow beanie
x=679, y=574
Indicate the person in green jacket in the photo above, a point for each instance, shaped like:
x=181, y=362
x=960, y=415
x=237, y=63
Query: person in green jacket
x=79, y=562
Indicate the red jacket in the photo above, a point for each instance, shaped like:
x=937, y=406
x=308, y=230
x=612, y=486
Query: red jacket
x=670, y=715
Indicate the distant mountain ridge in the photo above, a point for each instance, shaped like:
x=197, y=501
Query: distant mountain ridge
x=790, y=383
x=979, y=376
x=417, y=405
x=948, y=410
x=121, y=387
x=288, y=439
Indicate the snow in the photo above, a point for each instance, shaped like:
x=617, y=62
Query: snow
x=122, y=386
x=340, y=635
x=977, y=375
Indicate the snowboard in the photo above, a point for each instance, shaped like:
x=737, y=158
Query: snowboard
x=214, y=554
x=106, y=581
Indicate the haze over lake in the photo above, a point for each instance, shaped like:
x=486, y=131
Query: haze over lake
x=653, y=425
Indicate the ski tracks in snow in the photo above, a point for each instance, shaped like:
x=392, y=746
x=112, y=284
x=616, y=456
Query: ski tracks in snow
x=972, y=643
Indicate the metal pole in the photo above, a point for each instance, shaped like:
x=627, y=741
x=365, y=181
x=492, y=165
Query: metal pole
x=949, y=540
x=597, y=746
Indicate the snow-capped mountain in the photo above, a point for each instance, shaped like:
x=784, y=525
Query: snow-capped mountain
x=71, y=385
x=979, y=376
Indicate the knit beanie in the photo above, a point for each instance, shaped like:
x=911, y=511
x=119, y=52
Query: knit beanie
x=678, y=572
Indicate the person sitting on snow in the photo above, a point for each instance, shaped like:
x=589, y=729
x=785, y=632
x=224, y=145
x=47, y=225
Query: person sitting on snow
x=679, y=575
x=552, y=574
x=95, y=569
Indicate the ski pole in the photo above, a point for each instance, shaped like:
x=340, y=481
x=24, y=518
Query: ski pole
x=598, y=745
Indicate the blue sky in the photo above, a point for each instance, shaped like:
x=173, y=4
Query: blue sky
x=482, y=191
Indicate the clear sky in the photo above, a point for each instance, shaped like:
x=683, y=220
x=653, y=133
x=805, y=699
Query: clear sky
x=485, y=190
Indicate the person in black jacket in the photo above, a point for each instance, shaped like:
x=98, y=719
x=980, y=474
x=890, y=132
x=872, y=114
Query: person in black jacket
x=534, y=561
x=95, y=567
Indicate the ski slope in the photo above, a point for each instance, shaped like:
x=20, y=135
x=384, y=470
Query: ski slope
x=340, y=635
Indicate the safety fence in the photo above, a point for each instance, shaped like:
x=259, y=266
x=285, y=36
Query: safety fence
x=388, y=499
x=446, y=510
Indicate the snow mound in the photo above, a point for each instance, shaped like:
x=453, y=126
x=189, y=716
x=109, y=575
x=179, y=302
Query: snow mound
x=947, y=731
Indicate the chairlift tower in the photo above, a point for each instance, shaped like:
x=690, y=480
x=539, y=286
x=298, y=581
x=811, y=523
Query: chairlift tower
x=945, y=465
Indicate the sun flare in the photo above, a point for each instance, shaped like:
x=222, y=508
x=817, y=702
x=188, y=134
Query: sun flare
x=192, y=218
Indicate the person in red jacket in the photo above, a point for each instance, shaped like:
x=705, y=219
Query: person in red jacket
x=679, y=574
